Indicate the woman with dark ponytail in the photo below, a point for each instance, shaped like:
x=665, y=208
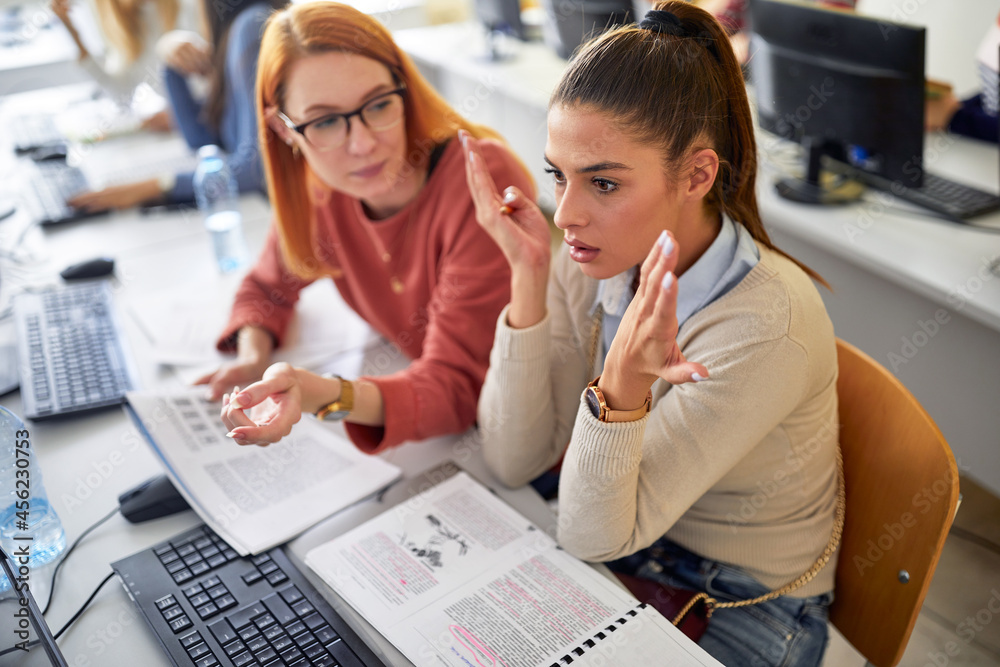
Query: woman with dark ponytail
x=681, y=368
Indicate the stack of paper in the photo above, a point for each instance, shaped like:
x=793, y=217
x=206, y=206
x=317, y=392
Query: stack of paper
x=254, y=497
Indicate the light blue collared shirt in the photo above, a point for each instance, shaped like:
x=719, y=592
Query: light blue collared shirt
x=721, y=267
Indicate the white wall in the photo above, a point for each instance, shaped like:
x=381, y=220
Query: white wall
x=954, y=30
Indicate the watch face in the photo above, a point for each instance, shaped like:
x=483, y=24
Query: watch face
x=593, y=403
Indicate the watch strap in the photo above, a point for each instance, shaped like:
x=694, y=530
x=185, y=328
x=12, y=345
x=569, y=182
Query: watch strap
x=342, y=406
x=599, y=406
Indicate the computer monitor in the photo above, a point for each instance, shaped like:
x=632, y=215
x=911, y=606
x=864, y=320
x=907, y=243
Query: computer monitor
x=845, y=86
x=501, y=19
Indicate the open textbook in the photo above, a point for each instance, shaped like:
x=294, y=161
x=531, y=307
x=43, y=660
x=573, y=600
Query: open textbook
x=254, y=497
x=455, y=577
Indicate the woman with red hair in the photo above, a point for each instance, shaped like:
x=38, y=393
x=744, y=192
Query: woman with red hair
x=367, y=181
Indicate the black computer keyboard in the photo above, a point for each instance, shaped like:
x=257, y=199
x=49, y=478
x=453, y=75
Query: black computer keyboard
x=211, y=607
x=955, y=200
x=71, y=351
x=50, y=188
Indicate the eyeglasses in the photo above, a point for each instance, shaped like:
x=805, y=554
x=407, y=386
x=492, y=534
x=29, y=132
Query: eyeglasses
x=327, y=132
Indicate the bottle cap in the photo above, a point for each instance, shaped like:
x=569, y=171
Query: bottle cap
x=208, y=150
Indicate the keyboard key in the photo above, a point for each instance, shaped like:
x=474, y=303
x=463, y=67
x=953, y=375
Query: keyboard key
x=249, y=632
x=225, y=602
x=274, y=632
x=191, y=559
x=282, y=643
x=199, y=650
x=199, y=599
x=200, y=568
x=183, y=575
x=291, y=595
x=192, y=590
x=291, y=655
x=264, y=621
x=175, y=566
x=185, y=549
x=343, y=655
x=314, y=651
x=303, y=608
x=245, y=658
x=190, y=640
x=277, y=577
x=217, y=592
x=326, y=634
x=252, y=577
x=207, y=661
x=266, y=655
x=180, y=623
x=305, y=639
x=172, y=612
x=260, y=558
x=257, y=643
x=313, y=621
x=207, y=610
x=324, y=661
x=279, y=609
x=211, y=581
x=169, y=557
x=296, y=628
x=165, y=601
x=267, y=567
x=242, y=617
x=215, y=560
x=234, y=647
x=223, y=631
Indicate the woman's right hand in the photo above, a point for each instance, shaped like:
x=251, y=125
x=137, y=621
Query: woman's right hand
x=518, y=226
x=512, y=220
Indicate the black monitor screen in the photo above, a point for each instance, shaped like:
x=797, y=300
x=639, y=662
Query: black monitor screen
x=849, y=86
x=500, y=16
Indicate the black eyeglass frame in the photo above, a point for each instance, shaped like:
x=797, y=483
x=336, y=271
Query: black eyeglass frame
x=301, y=128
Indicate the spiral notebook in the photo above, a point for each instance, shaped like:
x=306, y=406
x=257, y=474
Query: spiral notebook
x=454, y=576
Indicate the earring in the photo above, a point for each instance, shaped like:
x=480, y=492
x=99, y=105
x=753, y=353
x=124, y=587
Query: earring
x=295, y=148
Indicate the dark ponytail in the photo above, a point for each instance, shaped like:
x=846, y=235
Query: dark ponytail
x=674, y=81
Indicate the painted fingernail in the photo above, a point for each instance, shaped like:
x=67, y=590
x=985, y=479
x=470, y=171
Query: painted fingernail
x=234, y=436
x=464, y=138
x=662, y=238
x=242, y=399
x=509, y=198
x=697, y=378
x=668, y=280
x=668, y=245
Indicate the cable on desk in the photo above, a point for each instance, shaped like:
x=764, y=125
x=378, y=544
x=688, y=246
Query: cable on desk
x=79, y=612
x=83, y=608
x=55, y=573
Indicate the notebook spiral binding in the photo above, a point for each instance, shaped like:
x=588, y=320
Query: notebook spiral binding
x=598, y=637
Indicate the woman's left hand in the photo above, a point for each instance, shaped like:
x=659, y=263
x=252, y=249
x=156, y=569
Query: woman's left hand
x=265, y=411
x=117, y=196
x=645, y=347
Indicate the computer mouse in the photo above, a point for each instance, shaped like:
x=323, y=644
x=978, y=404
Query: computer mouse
x=152, y=499
x=91, y=268
x=48, y=152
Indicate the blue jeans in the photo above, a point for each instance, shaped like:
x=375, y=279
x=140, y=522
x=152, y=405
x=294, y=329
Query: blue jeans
x=782, y=632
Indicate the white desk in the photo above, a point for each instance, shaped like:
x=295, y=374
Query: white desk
x=890, y=270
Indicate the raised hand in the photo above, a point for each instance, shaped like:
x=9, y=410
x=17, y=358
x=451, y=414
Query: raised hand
x=645, y=347
x=518, y=226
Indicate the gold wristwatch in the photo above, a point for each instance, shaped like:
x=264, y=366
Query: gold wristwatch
x=341, y=407
x=599, y=407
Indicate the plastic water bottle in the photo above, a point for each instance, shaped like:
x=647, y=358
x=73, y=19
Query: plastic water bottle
x=217, y=196
x=29, y=527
